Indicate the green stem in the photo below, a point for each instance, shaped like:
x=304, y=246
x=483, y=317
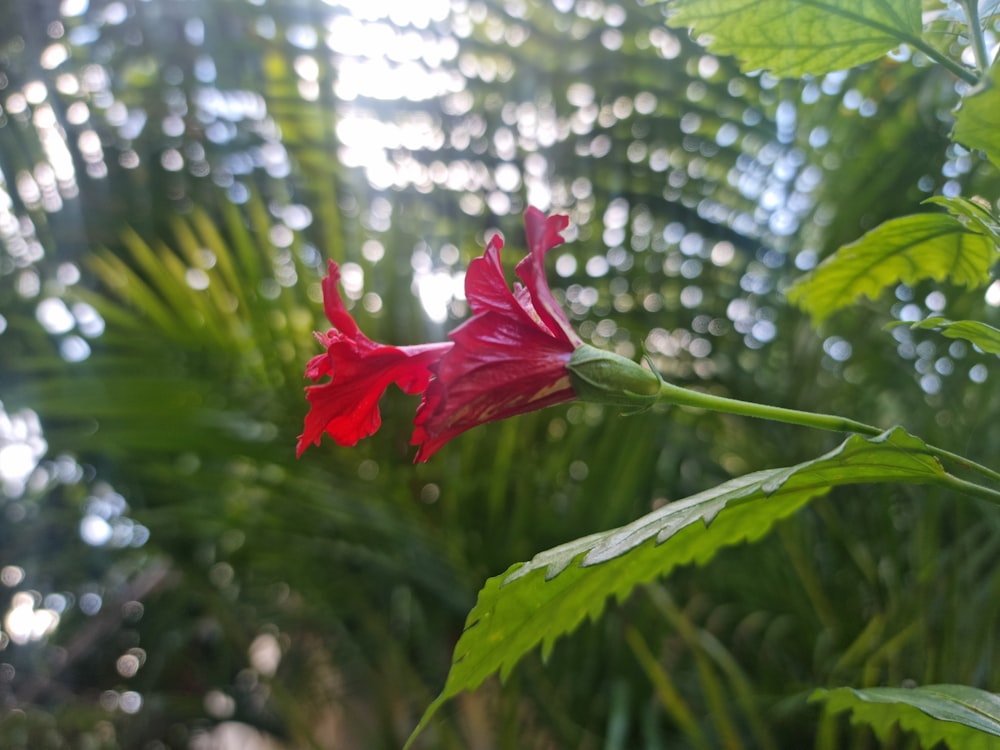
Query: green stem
x=673, y=394
x=964, y=462
x=957, y=69
x=971, y=488
x=975, y=27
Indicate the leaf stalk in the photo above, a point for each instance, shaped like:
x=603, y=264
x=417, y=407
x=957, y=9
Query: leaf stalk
x=673, y=394
x=956, y=68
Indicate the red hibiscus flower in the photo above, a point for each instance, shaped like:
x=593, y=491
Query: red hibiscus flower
x=517, y=353
x=346, y=406
x=511, y=357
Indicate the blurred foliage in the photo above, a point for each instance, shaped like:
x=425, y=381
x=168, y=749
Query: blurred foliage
x=956, y=709
x=983, y=336
x=801, y=38
x=976, y=122
x=172, y=178
x=908, y=250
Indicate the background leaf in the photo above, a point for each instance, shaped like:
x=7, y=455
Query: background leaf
x=802, y=36
x=979, y=216
x=960, y=716
x=541, y=600
x=908, y=249
x=977, y=123
x=984, y=336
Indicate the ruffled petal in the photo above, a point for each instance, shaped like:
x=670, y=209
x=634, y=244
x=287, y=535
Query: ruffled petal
x=486, y=288
x=512, y=356
x=500, y=367
x=346, y=407
x=334, y=308
x=319, y=366
x=543, y=234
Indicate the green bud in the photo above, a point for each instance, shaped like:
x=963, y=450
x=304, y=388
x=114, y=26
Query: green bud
x=607, y=378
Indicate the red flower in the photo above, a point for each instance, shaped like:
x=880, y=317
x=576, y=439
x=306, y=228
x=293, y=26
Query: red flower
x=517, y=353
x=346, y=407
x=511, y=356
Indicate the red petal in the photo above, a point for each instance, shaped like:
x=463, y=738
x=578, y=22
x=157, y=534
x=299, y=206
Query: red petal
x=543, y=235
x=511, y=357
x=500, y=367
x=346, y=408
x=486, y=288
x=333, y=305
x=319, y=366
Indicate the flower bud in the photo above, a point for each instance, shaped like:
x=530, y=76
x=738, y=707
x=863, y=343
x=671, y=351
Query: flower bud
x=607, y=378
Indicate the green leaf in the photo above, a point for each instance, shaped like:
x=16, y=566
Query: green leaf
x=978, y=218
x=984, y=336
x=539, y=601
x=960, y=716
x=977, y=123
x=907, y=249
x=798, y=37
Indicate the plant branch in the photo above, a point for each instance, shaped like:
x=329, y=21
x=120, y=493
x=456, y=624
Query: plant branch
x=964, y=462
x=673, y=394
x=971, y=488
x=975, y=27
x=956, y=68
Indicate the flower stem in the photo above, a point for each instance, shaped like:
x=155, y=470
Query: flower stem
x=975, y=27
x=971, y=488
x=673, y=394
x=964, y=462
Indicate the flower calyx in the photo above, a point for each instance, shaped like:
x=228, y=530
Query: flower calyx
x=604, y=377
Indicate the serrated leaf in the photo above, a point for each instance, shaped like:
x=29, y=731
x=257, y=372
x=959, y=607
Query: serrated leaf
x=537, y=602
x=984, y=336
x=977, y=122
x=979, y=217
x=960, y=716
x=907, y=249
x=798, y=37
